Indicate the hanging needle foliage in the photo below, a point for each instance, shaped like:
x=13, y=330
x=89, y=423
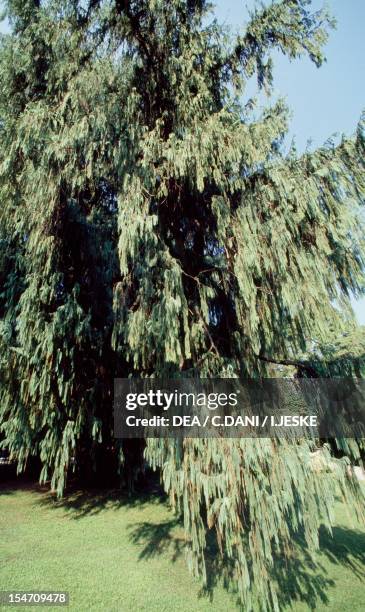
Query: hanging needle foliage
x=153, y=224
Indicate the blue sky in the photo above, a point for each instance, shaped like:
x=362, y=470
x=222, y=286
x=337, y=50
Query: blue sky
x=323, y=101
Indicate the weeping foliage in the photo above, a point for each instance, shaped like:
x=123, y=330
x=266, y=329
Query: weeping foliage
x=152, y=224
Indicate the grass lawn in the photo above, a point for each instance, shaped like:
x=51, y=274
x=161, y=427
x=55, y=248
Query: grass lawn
x=127, y=555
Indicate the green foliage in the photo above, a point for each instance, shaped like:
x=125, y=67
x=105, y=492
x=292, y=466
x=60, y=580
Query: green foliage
x=152, y=225
x=340, y=355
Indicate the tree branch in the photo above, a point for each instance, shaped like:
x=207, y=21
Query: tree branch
x=301, y=365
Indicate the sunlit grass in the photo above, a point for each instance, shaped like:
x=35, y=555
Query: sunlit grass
x=120, y=553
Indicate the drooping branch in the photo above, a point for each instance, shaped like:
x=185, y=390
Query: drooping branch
x=300, y=365
x=286, y=25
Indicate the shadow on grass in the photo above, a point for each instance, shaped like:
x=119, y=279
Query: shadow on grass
x=346, y=547
x=158, y=539
x=300, y=578
x=79, y=503
x=305, y=579
x=297, y=579
x=10, y=483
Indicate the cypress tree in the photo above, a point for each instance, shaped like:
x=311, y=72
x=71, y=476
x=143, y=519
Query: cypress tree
x=152, y=224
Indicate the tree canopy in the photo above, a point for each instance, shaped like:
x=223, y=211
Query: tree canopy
x=153, y=223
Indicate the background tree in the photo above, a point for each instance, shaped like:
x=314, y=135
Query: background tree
x=153, y=225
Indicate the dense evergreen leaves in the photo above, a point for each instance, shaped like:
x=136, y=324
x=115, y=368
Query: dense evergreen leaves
x=152, y=225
